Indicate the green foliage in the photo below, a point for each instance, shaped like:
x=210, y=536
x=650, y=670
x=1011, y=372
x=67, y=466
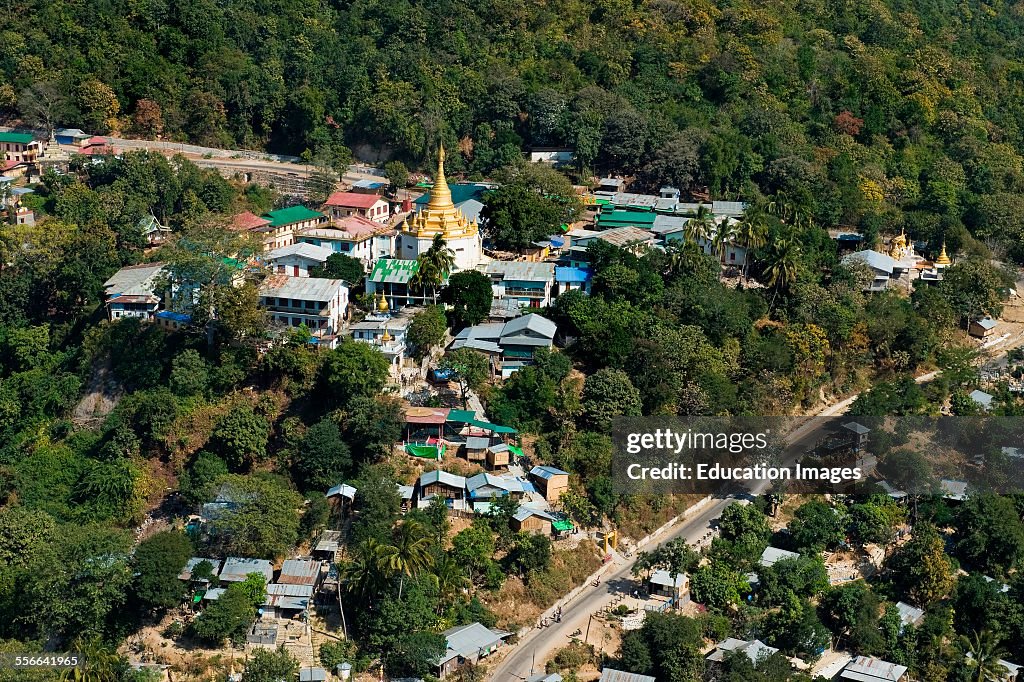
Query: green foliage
x=608, y=393
x=469, y=297
x=468, y=367
x=262, y=521
x=668, y=647
x=428, y=329
x=190, y=375
x=341, y=266
x=414, y=654
x=817, y=526
x=373, y=426
x=529, y=553
x=353, y=370
x=157, y=562
x=805, y=577
x=240, y=436
x=197, y=483
x=990, y=534
x=270, y=666
x=717, y=586
x=920, y=569
x=229, y=617
x=322, y=459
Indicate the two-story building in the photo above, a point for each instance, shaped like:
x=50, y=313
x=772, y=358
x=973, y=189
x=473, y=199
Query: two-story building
x=528, y=283
x=320, y=304
x=19, y=147
x=387, y=334
x=285, y=223
x=353, y=236
x=370, y=206
x=132, y=291
x=550, y=481
x=438, y=483
x=296, y=259
x=510, y=345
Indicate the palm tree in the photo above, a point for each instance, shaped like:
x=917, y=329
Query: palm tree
x=451, y=580
x=753, y=233
x=782, y=265
x=726, y=234
x=410, y=552
x=983, y=653
x=435, y=264
x=362, y=576
x=97, y=664
x=699, y=227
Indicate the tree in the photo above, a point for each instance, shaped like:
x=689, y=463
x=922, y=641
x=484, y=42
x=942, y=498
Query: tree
x=323, y=459
x=469, y=294
x=468, y=367
x=148, y=119
x=975, y=288
x=190, y=374
x=373, y=426
x=427, y=329
x=397, y=175
x=23, y=532
x=990, y=534
x=608, y=393
x=341, y=266
x=875, y=521
x=157, y=562
x=261, y=519
x=433, y=266
x=270, y=666
x=409, y=554
x=921, y=569
x=983, y=654
x=240, y=437
x=238, y=313
x=354, y=370
x=717, y=586
x=515, y=216
x=806, y=577
x=229, y=617
x=783, y=260
x=197, y=482
x=700, y=227
x=529, y=553
x=415, y=654
x=817, y=526
x=42, y=104
x=98, y=103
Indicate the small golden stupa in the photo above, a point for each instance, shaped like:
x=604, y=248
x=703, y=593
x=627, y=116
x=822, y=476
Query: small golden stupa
x=943, y=259
x=382, y=304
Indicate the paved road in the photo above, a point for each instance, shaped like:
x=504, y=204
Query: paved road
x=529, y=655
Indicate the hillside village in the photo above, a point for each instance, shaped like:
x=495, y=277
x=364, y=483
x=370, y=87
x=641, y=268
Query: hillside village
x=368, y=437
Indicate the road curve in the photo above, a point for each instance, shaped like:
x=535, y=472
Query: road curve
x=528, y=657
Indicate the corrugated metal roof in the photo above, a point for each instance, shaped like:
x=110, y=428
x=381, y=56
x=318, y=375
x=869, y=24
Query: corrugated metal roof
x=521, y=271
x=868, y=669
x=612, y=675
x=292, y=214
x=303, y=250
x=547, y=472
x=299, y=572
x=771, y=555
x=443, y=477
x=303, y=288
x=394, y=271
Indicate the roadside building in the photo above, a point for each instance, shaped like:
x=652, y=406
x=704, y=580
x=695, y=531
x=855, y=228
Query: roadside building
x=468, y=644
x=285, y=223
x=613, y=675
x=754, y=649
x=982, y=328
x=664, y=584
x=868, y=669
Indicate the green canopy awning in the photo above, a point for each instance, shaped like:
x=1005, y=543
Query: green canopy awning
x=562, y=526
x=198, y=597
x=425, y=451
x=515, y=451
x=468, y=417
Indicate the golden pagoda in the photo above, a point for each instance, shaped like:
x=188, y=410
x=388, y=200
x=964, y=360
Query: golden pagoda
x=440, y=216
x=943, y=259
x=386, y=337
x=382, y=304
x=898, y=246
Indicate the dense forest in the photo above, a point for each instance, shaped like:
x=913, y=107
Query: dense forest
x=871, y=114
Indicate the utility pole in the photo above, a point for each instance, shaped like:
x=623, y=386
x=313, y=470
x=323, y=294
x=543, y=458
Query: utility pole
x=586, y=638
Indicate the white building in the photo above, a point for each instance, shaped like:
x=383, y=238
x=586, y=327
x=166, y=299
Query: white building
x=132, y=291
x=386, y=333
x=354, y=236
x=527, y=283
x=320, y=304
x=370, y=206
x=296, y=259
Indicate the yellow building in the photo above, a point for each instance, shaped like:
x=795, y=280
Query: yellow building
x=441, y=217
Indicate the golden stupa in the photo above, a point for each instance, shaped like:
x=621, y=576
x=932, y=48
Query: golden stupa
x=382, y=304
x=440, y=216
x=943, y=259
x=898, y=246
x=385, y=337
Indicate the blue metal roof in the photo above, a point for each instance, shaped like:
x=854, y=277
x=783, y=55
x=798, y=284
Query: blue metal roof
x=570, y=274
x=177, y=317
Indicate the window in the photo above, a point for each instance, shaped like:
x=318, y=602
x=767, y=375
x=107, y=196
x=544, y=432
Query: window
x=732, y=256
x=295, y=270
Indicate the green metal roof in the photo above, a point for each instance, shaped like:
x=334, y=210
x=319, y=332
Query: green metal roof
x=468, y=417
x=16, y=138
x=621, y=218
x=292, y=214
x=394, y=271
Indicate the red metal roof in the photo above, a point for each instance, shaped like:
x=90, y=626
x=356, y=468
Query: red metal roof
x=248, y=221
x=352, y=200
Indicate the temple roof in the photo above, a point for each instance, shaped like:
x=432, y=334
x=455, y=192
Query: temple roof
x=440, y=216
